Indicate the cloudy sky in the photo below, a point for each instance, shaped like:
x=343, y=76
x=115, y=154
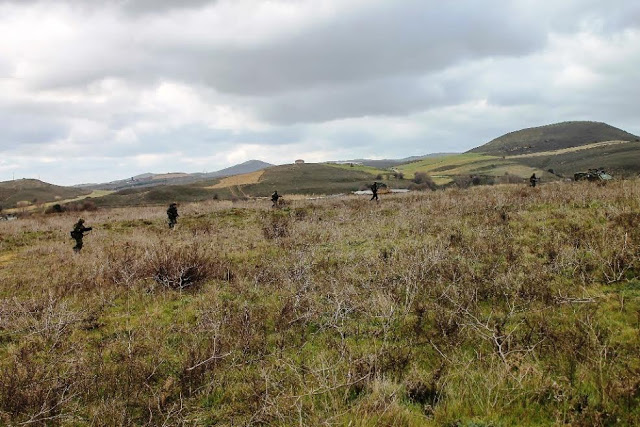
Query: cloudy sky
x=97, y=90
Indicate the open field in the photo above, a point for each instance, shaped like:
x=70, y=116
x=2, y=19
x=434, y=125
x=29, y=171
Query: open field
x=619, y=159
x=500, y=305
x=244, y=179
x=444, y=169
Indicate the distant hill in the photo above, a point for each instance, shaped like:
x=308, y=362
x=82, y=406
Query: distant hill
x=308, y=178
x=176, y=178
x=389, y=163
x=552, y=152
x=33, y=191
x=246, y=167
x=553, y=137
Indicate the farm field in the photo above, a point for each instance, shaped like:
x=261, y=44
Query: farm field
x=495, y=305
x=444, y=169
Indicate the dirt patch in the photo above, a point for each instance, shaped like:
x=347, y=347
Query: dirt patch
x=6, y=258
x=244, y=179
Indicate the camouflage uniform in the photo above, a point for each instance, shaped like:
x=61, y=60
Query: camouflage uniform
x=78, y=233
x=172, y=213
x=374, y=189
x=533, y=180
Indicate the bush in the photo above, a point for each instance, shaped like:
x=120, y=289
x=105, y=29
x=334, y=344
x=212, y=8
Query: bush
x=82, y=206
x=507, y=178
x=57, y=208
x=422, y=181
x=183, y=267
x=462, y=181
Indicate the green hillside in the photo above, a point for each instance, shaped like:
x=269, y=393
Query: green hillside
x=553, y=137
x=446, y=169
x=308, y=178
x=620, y=160
x=564, y=148
x=32, y=191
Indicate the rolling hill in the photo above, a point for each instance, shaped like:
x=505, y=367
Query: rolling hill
x=176, y=178
x=553, y=137
x=32, y=191
x=308, y=179
x=551, y=152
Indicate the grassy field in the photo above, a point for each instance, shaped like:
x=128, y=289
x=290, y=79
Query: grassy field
x=501, y=305
x=620, y=160
x=444, y=169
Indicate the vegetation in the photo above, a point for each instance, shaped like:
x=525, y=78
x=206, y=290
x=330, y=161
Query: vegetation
x=27, y=192
x=620, y=160
x=553, y=137
x=461, y=167
x=501, y=305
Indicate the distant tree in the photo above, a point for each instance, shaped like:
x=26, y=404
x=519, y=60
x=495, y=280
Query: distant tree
x=462, y=181
x=422, y=181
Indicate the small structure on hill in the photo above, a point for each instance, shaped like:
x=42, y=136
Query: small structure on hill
x=299, y=162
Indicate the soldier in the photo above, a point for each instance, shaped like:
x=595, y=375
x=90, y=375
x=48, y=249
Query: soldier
x=533, y=180
x=172, y=214
x=78, y=233
x=374, y=189
x=274, y=198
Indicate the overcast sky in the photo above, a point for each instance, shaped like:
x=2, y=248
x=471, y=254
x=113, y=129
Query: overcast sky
x=98, y=90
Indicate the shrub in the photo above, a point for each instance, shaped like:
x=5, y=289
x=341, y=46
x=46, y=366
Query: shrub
x=462, y=181
x=422, y=181
x=57, y=208
x=507, y=178
x=183, y=267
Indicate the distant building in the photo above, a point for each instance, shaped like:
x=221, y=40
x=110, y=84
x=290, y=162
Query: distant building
x=299, y=162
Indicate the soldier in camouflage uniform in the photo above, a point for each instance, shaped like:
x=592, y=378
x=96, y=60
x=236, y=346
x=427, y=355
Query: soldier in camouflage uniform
x=274, y=198
x=78, y=233
x=533, y=180
x=172, y=214
x=374, y=190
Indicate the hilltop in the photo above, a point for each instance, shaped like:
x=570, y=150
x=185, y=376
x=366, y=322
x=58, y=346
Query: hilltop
x=33, y=191
x=553, y=137
x=176, y=178
x=552, y=152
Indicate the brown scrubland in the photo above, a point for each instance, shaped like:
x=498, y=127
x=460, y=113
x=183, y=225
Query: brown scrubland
x=501, y=305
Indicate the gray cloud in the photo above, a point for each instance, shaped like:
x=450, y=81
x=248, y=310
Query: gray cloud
x=130, y=86
x=134, y=7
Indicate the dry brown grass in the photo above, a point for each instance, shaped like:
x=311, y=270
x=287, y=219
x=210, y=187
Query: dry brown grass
x=490, y=305
x=244, y=179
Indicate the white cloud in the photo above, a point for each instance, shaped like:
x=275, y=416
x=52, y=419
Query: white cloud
x=105, y=89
